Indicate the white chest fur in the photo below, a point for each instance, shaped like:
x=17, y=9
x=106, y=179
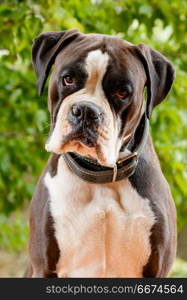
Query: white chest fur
x=101, y=230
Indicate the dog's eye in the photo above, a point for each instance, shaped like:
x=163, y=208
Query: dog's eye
x=121, y=94
x=68, y=80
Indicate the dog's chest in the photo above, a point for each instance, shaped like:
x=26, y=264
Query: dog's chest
x=102, y=231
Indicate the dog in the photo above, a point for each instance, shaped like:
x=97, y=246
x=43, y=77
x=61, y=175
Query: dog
x=102, y=207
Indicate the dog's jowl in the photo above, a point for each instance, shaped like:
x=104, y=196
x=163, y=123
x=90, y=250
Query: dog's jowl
x=102, y=207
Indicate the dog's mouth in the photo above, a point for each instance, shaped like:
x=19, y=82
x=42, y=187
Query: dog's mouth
x=95, y=142
x=85, y=136
x=83, y=141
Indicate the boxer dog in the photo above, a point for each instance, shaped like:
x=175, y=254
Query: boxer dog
x=102, y=207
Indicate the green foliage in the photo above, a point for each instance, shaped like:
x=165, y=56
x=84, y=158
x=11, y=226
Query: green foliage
x=24, y=117
x=14, y=233
x=179, y=269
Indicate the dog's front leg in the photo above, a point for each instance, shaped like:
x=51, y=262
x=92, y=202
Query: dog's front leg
x=44, y=251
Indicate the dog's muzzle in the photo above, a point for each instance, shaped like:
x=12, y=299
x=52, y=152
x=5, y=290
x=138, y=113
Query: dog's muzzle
x=85, y=118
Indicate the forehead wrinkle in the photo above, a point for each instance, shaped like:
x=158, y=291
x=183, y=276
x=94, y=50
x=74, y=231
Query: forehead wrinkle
x=96, y=66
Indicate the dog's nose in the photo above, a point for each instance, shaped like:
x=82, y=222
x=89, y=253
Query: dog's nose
x=86, y=112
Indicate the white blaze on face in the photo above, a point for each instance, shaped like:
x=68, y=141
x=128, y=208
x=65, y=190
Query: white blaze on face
x=108, y=142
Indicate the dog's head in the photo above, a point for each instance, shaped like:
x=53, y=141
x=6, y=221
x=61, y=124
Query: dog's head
x=96, y=90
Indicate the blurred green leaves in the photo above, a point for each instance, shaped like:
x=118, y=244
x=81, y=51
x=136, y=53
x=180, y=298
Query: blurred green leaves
x=14, y=233
x=24, y=117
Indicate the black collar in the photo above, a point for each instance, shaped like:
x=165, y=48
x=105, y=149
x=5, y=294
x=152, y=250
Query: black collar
x=93, y=172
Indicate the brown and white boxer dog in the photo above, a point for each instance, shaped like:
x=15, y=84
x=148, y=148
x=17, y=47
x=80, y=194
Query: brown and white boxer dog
x=102, y=207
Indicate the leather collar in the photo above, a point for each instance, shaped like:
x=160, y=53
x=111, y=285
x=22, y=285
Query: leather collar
x=93, y=172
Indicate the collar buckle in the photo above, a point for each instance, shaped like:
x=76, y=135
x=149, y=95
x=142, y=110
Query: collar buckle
x=115, y=168
x=115, y=172
x=135, y=154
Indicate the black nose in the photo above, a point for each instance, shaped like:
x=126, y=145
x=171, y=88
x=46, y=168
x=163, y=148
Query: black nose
x=86, y=112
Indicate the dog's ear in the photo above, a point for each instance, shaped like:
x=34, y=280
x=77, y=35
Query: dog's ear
x=160, y=75
x=45, y=49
